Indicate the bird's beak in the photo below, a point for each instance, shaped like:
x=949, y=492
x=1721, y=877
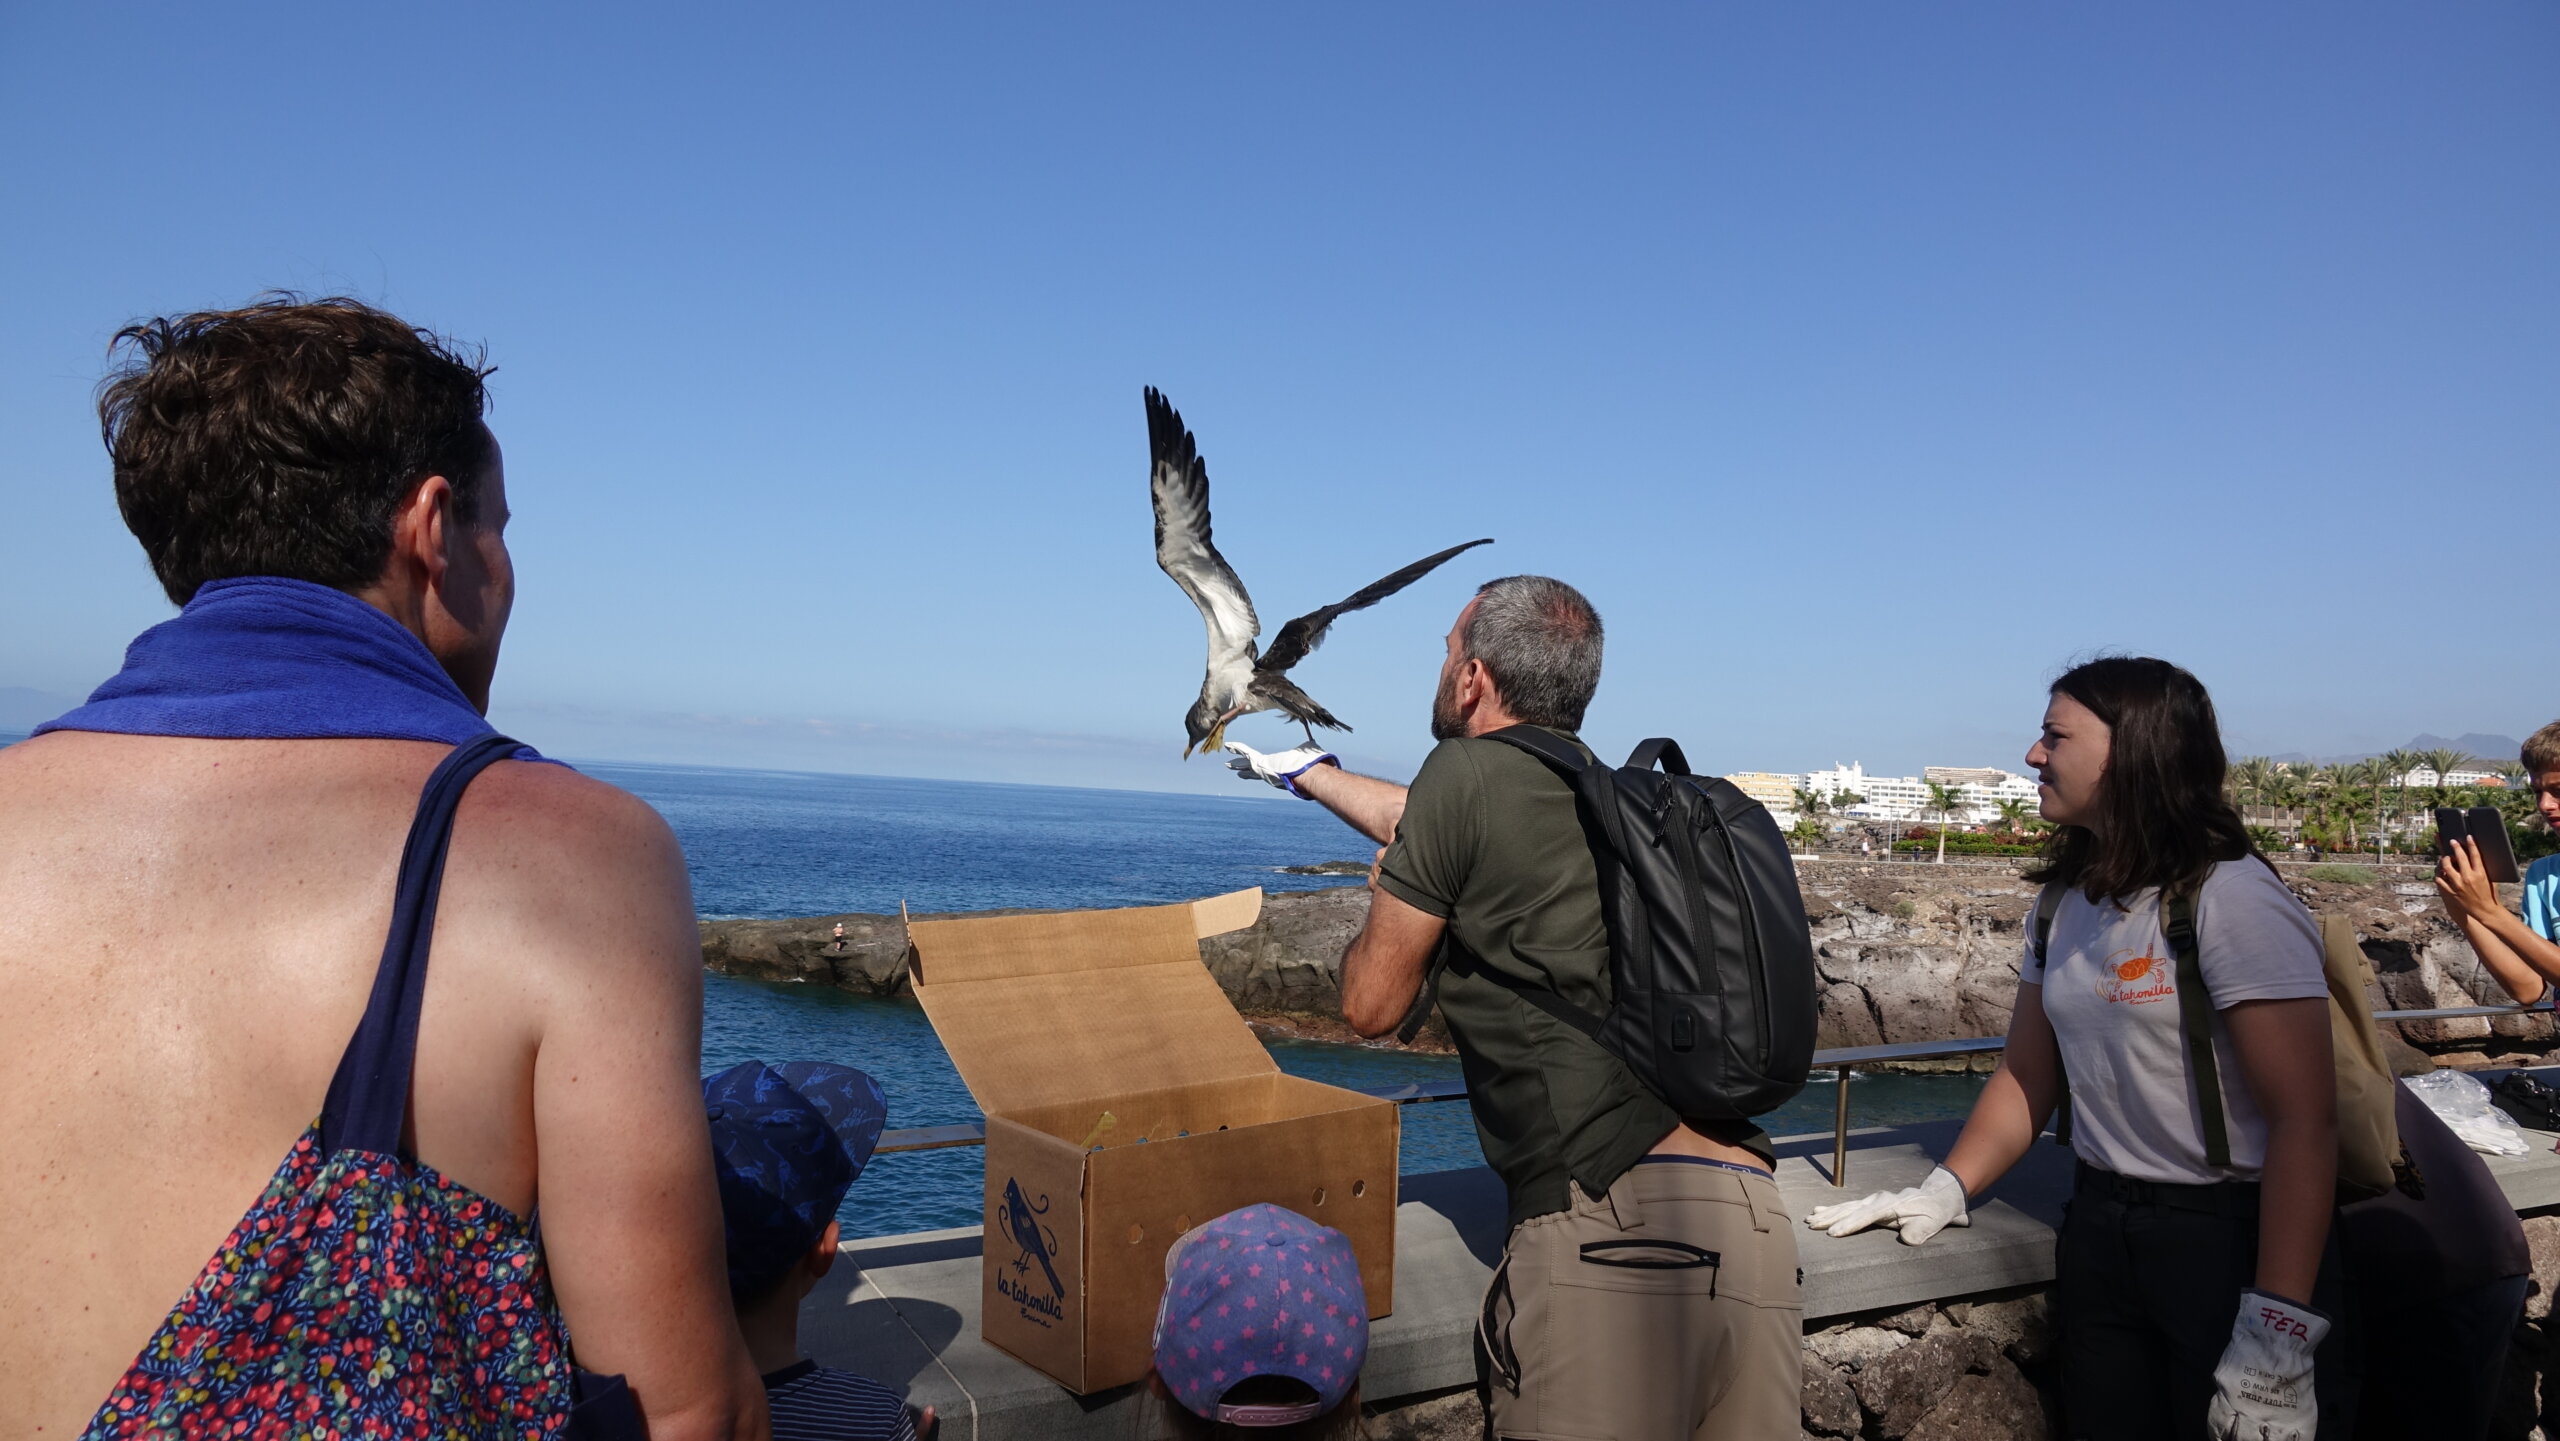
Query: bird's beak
x=1187, y=748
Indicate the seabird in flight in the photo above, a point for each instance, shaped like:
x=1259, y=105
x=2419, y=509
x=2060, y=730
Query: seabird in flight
x=1240, y=678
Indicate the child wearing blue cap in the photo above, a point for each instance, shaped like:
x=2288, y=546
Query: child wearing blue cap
x=787, y=1141
x=1263, y=1326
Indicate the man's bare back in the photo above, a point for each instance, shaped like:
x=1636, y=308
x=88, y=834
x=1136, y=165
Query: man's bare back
x=188, y=933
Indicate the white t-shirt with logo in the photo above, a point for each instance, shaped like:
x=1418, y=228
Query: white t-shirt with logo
x=2111, y=990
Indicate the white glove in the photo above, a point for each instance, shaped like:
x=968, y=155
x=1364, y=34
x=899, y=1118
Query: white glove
x=1918, y=1212
x=1280, y=768
x=2262, y=1389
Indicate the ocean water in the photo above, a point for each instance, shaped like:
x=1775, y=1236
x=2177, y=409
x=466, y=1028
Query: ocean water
x=782, y=844
x=768, y=843
x=774, y=843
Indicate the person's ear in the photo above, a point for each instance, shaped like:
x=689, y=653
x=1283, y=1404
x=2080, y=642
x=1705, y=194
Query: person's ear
x=423, y=531
x=822, y=1256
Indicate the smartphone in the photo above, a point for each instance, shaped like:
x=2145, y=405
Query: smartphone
x=2486, y=829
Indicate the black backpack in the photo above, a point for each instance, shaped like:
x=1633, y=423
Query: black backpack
x=1710, y=959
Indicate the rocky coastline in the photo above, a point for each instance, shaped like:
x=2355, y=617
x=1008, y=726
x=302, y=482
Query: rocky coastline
x=1907, y=952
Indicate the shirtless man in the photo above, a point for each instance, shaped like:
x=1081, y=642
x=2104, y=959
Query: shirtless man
x=147, y=1093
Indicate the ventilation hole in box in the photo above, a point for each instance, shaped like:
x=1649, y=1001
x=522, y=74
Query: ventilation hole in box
x=1136, y=1234
x=1359, y=1189
x=1319, y=1195
x=1181, y=1225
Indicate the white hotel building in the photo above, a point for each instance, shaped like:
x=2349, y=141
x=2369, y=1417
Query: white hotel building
x=1906, y=798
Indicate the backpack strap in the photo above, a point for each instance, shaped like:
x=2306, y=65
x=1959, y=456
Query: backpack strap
x=2040, y=936
x=1542, y=998
x=1554, y=749
x=2048, y=901
x=1427, y=996
x=1562, y=757
x=2195, y=1019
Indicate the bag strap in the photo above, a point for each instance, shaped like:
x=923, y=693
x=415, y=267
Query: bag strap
x=1591, y=782
x=1547, y=746
x=368, y=1103
x=1545, y=1000
x=1600, y=822
x=2040, y=936
x=2195, y=1019
x=1427, y=995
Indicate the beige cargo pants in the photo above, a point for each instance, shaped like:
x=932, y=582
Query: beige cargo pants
x=1667, y=1310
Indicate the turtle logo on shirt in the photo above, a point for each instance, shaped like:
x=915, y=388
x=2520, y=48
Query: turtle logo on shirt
x=2136, y=980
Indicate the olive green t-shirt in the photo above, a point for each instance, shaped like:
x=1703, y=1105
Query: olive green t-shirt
x=1490, y=843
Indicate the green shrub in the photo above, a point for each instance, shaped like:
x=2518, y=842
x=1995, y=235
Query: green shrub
x=1966, y=844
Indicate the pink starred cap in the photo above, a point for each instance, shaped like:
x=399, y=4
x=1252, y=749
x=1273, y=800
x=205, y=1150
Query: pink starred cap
x=1316, y=1258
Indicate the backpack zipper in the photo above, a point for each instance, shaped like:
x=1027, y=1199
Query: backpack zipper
x=1750, y=928
x=1691, y=883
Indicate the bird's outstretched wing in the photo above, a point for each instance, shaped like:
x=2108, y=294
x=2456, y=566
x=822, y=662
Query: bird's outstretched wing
x=1304, y=634
x=1183, y=548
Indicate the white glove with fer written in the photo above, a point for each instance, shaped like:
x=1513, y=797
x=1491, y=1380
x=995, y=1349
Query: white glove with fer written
x=1280, y=768
x=1918, y=1212
x=2262, y=1388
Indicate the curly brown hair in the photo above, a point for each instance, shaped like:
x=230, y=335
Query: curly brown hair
x=280, y=438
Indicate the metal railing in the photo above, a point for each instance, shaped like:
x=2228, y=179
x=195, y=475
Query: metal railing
x=1840, y=1061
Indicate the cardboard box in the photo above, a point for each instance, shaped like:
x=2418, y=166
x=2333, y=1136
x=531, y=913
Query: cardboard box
x=1055, y=1020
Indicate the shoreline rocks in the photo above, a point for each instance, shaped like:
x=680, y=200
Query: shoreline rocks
x=1905, y=952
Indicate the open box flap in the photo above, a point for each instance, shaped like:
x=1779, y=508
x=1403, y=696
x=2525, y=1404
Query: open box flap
x=1046, y=1008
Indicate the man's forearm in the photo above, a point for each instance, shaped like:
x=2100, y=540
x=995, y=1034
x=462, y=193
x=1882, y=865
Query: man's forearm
x=1366, y=804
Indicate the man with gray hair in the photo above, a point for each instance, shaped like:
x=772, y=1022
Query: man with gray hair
x=1649, y=1286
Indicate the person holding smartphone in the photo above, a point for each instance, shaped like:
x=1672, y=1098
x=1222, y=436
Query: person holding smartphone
x=2523, y=952
x=2196, y=1283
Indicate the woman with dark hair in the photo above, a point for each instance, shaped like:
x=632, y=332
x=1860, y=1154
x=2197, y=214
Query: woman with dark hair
x=2196, y=1274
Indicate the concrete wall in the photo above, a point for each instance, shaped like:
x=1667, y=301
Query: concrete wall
x=1951, y=1341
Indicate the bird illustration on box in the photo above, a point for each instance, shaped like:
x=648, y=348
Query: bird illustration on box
x=1241, y=679
x=1022, y=1222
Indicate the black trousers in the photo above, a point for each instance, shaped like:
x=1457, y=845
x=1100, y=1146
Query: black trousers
x=2147, y=1281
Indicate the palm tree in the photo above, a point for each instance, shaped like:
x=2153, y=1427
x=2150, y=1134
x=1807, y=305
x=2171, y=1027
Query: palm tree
x=2249, y=777
x=2444, y=761
x=2398, y=764
x=2374, y=774
x=1946, y=800
x=2286, y=789
x=1811, y=806
x=2013, y=814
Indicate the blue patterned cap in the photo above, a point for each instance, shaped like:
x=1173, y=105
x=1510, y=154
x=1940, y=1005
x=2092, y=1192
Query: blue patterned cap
x=787, y=1141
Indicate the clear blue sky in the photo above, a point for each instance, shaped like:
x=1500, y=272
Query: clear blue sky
x=1864, y=363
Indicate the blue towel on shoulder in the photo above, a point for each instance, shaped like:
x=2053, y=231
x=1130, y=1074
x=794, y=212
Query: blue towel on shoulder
x=265, y=658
